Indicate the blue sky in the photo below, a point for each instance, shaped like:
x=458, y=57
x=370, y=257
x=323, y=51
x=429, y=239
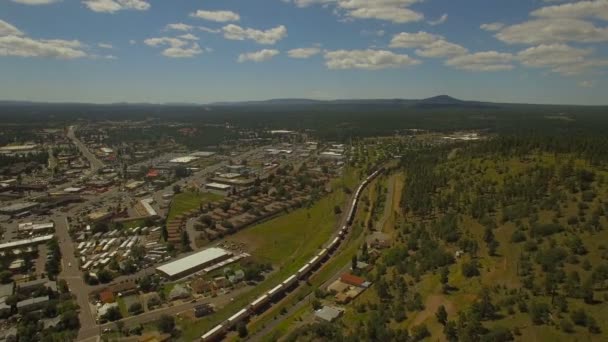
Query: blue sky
x=535, y=51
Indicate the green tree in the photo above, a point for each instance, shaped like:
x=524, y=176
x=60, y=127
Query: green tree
x=442, y=315
x=166, y=324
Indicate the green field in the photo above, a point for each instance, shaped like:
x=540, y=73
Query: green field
x=186, y=201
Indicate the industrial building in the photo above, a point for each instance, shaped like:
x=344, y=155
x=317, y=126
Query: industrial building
x=218, y=188
x=18, y=208
x=25, y=243
x=193, y=263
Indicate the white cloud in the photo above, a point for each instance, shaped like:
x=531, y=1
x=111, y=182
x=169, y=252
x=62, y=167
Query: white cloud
x=441, y=48
x=586, y=84
x=179, y=27
x=13, y=42
x=396, y=11
x=132, y=42
x=492, y=26
x=111, y=6
x=410, y=40
x=428, y=44
x=482, y=61
x=7, y=29
x=188, y=36
x=553, y=56
x=258, y=56
x=105, y=46
x=581, y=9
x=35, y=2
x=28, y=47
x=175, y=47
x=367, y=59
x=218, y=16
x=303, y=52
x=269, y=37
x=439, y=21
x=544, y=31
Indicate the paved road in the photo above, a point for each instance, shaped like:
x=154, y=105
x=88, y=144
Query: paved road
x=95, y=163
x=71, y=274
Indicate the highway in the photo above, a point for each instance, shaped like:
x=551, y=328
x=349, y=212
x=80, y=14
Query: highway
x=95, y=163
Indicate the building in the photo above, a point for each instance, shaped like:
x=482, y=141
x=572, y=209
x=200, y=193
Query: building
x=218, y=188
x=184, y=160
x=329, y=313
x=31, y=304
x=25, y=243
x=18, y=148
x=193, y=263
x=332, y=155
x=18, y=208
x=134, y=185
x=203, y=154
x=353, y=280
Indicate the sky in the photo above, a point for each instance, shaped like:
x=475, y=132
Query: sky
x=203, y=51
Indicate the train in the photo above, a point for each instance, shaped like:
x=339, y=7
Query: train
x=263, y=301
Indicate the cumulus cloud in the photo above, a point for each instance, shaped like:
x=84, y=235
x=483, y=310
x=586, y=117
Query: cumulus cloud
x=303, y=52
x=7, y=29
x=111, y=6
x=188, y=36
x=553, y=30
x=367, y=59
x=13, y=42
x=482, y=61
x=441, y=48
x=179, y=27
x=428, y=44
x=35, y=2
x=257, y=56
x=439, y=21
x=105, y=46
x=492, y=26
x=554, y=55
x=410, y=40
x=209, y=30
x=396, y=11
x=268, y=37
x=175, y=47
x=218, y=16
x=581, y=9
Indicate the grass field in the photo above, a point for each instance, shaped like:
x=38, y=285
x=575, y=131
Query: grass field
x=333, y=266
x=287, y=242
x=186, y=201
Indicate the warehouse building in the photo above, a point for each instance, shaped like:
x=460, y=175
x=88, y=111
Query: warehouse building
x=218, y=188
x=193, y=263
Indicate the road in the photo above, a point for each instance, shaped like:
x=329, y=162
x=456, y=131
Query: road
x=71, y=274
x=95, y=163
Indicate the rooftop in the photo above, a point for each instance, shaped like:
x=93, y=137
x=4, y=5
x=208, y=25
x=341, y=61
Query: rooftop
x=184, y=264
x=329, y=313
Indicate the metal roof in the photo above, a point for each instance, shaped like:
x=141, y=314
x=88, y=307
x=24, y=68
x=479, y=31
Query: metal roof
x=191, y=261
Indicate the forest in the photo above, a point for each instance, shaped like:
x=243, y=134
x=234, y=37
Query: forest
x=498, y=240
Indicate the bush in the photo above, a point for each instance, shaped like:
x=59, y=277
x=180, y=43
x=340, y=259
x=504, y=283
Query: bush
x=470, y=269
x=135, y=308
x=566, y=326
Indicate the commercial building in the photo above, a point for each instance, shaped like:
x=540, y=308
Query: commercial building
x=25, y=243
x=332, y=155
x=193, y=263
x=218, y=188
x=18, y=208
x=18, y=148
x=184, y=160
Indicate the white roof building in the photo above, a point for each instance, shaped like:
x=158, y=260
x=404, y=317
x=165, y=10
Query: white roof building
x=193, y=263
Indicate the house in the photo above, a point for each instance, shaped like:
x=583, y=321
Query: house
x=179, y=292
x=353, y=280
x=106, y=297
x=203, y=310
x=329, y=313
x=31, y=304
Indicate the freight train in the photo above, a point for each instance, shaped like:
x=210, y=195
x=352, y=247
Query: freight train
x=263, y=301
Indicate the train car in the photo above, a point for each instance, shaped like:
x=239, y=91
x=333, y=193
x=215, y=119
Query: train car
x=214, y=334
x=323, y=253
x=237, y=317
x=275, y=290
x=258, y=303
x=313, y=261
x=290, y=281
x=334, y=243
x=304, y=270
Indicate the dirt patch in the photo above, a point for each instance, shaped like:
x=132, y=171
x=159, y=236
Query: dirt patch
x=433, y=302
